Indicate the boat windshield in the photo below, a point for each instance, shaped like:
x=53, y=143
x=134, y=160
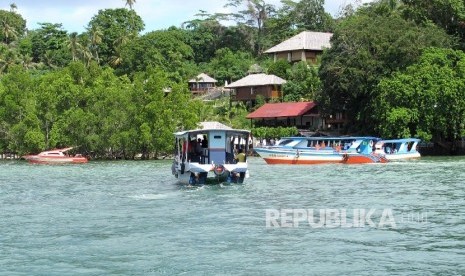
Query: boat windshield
x=284, y=142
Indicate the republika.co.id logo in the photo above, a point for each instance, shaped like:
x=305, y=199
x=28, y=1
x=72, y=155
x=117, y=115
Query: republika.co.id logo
x=343, y=218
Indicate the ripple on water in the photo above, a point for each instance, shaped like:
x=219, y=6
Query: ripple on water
x=133, y=218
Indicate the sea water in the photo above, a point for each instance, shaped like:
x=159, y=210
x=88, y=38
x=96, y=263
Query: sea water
x=132, y=218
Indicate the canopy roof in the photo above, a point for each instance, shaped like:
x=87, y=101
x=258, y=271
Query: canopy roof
x=202, y=77
x=60, y=150
x=403, y=140
x=257, y=80
x=211, y=126
x=276, y=110
x=332, y=138
x=306, y=40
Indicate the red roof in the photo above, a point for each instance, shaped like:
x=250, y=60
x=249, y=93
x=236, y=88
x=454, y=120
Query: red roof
x=275, y=110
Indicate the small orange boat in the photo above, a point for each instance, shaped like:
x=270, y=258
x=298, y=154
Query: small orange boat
x=56, y=156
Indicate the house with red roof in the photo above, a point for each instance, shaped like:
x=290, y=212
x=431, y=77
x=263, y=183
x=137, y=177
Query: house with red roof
x=300, y=114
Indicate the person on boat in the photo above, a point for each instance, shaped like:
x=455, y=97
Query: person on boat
x=184, y=148
x=192, y=145
x=240, y=157
x=198, y=147
x=205, y=142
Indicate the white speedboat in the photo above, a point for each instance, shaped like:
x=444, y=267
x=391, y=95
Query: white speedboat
x=398, y=149
x=56, y=156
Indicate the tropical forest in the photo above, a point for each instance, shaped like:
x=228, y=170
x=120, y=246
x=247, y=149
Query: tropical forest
x=117, y=90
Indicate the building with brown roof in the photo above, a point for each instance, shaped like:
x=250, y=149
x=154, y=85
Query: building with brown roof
x=202, y=83
x=305, y=46
x=249, y=87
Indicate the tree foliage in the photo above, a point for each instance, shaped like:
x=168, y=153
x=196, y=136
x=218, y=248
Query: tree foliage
x=13, y=26
x=92, y=108
x=274, y=132
x=279, y=68
x=49, y=45
x=365, y=48
x=230, y=66
x=427, y=100
x=255, y=14
x=118, y=26
x=165, y=50
x=311, y=15
x=447, y=14
x=302, y=83
x=204, y=37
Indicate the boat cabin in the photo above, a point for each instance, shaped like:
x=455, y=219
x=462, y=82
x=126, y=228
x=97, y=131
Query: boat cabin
x=348, y=144
x=210, y=146
x=398, y=149
x=213, y=149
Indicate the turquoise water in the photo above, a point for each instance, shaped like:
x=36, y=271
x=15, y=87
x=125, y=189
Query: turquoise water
x=131, y=218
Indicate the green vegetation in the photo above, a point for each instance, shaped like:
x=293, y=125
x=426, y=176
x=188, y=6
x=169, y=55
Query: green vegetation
x=302, y=83
x=90, y=107
x=427, y=100
x=274, y=132
x=395, y=67
x=365, y=48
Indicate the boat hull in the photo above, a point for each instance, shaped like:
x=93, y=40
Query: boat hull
x=402, y=156
x=199, y=174
x=275, y=156
x=301, y=160
x=34, y=159
x=364, y=159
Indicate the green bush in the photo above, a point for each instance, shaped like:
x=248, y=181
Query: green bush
x=274, y=132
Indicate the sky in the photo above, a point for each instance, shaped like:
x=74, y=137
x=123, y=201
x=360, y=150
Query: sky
x=156, y=14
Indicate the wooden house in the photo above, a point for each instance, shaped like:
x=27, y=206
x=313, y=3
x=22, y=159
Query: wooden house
x=305, y=46
x=201, y=84
x=249, y=87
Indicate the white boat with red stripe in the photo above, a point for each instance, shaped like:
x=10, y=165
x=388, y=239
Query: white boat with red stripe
x=56, y=156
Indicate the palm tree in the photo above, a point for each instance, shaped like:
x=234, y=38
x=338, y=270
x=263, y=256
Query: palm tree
x=26, y=61
x=8, y=60
x=13, y=7
x=74, y=46
x=392, y=4
x=121, y=41
x=96, y=35
x=130, y=3
x=116, y=59
x=86, y=55
x=8, y=32
x=49, y=59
